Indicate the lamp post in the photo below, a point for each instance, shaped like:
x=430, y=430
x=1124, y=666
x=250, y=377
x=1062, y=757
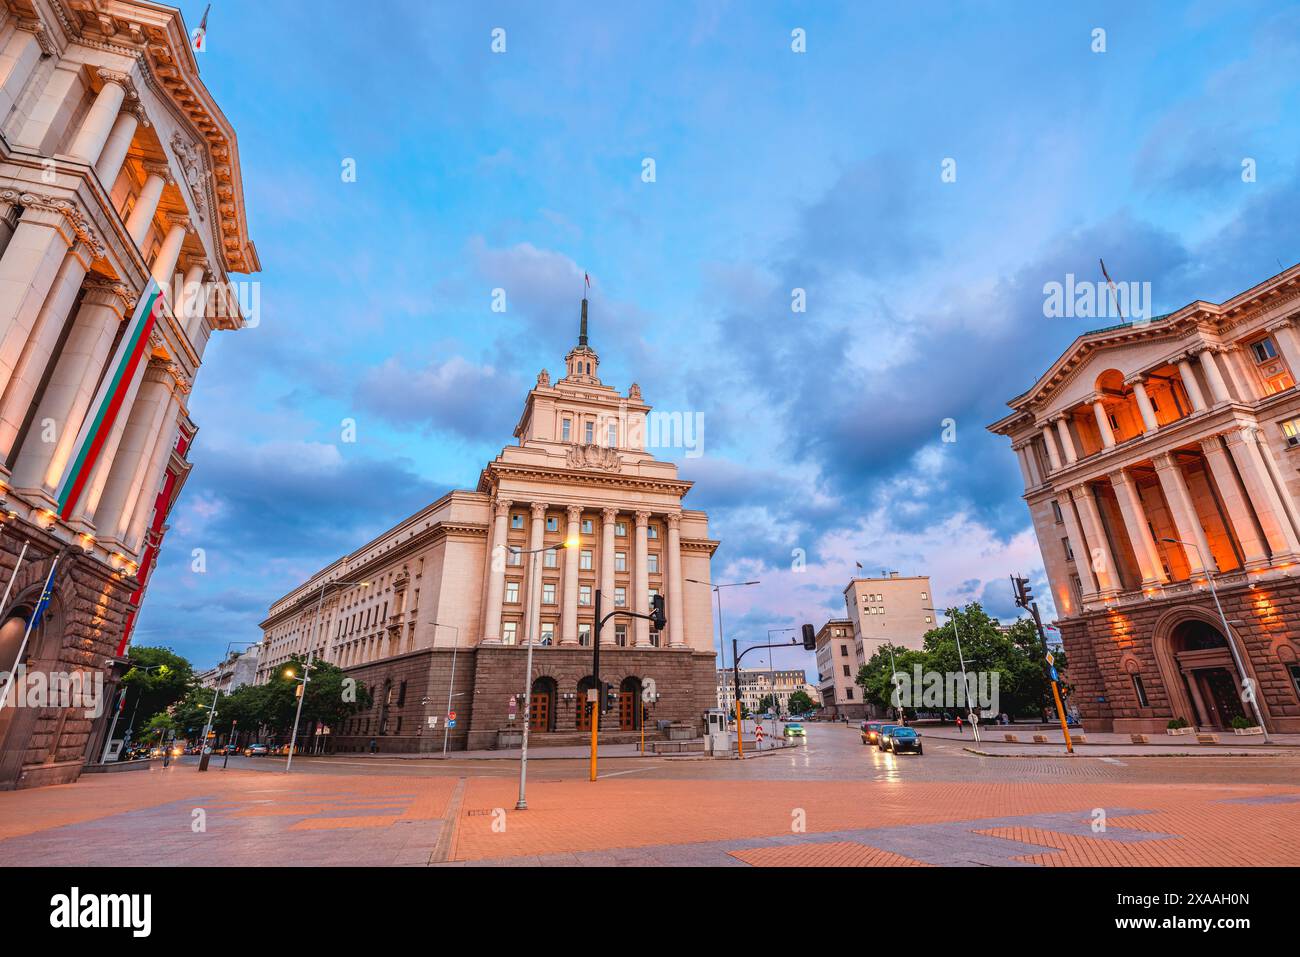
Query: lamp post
x=970, y=711
x=451, y=681
x=722, y=638
x=212, y=712
x=533, y=579
x=306, y=674
x=1227, y=631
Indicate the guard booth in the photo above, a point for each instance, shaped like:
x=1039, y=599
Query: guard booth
x=717, y=739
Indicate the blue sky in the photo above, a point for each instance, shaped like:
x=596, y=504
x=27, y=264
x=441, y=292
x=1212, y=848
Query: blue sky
x=774, y=170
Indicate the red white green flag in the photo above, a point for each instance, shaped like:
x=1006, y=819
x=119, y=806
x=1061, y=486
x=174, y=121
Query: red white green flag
x=113, y=388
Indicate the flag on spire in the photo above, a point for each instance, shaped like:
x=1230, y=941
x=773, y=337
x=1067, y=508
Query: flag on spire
x=587, y=279
x=200, y=35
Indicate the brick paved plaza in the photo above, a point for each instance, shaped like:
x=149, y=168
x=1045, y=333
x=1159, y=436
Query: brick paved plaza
x=829, y=802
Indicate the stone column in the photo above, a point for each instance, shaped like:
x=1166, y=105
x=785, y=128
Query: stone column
x=1244, y=381
x=1288, y=345
x=92, y=135
x=71, y=388
x=1139, y=532
x=1190, y=385
x=17, y=61
x=1279, y=534
x=1067, y=440
x=39, y=348
x=1079, y=545
x=1149, y=422
x=533, y=566
x=1214, y=376
x=1240, y=515
x=128, y=476
x=193, y=303
x=1049, y=439
x=141, y=218
x=1026, y=467
x=116, y=148
x=28, y=269
x=1103, y=423
x=569, y=626
x=1183, y=511
x=1100, y=559
x=169, y=252
x=676, y=597
x=641, y=580
x=608, y=517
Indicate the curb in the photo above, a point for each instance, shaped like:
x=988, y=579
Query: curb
x=1168, y=754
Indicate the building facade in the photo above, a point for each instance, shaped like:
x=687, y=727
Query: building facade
x=121, y=209
x=757, y=684
x=234, y=672
x=441, y=607
x=892, y=609
x=838, y=661
x=1156, y=455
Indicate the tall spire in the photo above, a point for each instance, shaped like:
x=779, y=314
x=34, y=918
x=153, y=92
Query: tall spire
x=582, y=327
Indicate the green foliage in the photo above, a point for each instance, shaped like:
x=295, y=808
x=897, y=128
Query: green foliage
x=1240, y=721
x=800, y=702
x=1176, y=723
x=158, y=678
x=332, y=697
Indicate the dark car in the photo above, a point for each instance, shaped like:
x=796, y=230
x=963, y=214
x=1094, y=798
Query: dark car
x=904, y=739
x=882, y=735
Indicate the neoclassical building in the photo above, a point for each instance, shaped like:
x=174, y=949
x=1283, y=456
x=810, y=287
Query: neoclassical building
x=1156, y=455
x=441, y=607
x=121, y=216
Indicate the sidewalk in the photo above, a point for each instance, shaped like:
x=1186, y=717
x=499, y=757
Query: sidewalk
x=993, y=743
x=583, y=752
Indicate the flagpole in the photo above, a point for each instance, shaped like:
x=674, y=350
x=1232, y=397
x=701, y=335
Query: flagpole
x=13, y=673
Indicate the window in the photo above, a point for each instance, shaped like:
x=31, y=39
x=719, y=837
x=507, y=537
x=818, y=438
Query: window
x=517, y=520
x=548, y=593
x=591, y=433
x=927, y=619
x=1291, y=429
x=1155, y=405
x=584, y=633
x=652, y=563
x=552, y=523
x=548, y=632
x=565, y=429
x=620, y=635
x=652, y=531
x=620, y=529
x=1295, y=677
x=551, y=558
x=586, y=526
x=620, y=561
x=1114, y=422
x=846, y=671
x=1141, y=691
x=925, y=596
x=512, y=591
x=1069, y=552
x=509, y=631
x=612, y=436
x=514, y=556
x=1263, y=350
x=844, y=650
x=620, y=597
x=1056, y=512
x=584, y=559
x=584, y=594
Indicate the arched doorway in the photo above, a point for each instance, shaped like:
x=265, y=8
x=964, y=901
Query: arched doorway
x=1208, y=673
x=541, y=706
x=18, y=724
x=629, y=704
x=582, y=718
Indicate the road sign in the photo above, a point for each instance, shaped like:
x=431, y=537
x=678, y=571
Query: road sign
x=451, y=715
x=1053, y=670
x=1050, y=659
x=758, y=732
x=451, y=724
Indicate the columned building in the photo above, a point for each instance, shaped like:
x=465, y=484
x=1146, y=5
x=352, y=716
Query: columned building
x=121, y=209
x=477, y=575
x=1156, y=456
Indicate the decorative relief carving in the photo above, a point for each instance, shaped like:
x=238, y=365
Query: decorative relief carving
x=634, y=393
x=543, y=379
x=76, y=219
x=191, y=164
x=593, y=457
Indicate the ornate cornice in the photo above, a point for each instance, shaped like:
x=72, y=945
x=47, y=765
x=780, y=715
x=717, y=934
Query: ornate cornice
x=81, y=227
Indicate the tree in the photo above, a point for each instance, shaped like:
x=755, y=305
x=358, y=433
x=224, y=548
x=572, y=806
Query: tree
x=333, y=697
x=876, y=677
x=767, y=703
x=157, y=679
x=800, y=702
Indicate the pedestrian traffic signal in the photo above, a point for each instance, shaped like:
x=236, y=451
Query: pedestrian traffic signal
x=809, y=638
x=657, y=616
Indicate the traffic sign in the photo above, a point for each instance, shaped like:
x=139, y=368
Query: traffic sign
x=451, y=723
x=758, y=733
x=1050, y=659
x=1053, y=670
x=451, y=715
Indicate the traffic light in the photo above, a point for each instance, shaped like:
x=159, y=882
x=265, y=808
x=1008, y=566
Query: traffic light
x=657, y=616
x=610, y=696
x=809, y=638
x=1024, y=592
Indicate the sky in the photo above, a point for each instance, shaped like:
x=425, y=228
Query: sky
x=919, y=174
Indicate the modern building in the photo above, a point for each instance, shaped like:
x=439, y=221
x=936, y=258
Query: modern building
x=234, y=672
x=466, y=580
x=893, y=609
x=1157, y=456
x=757, y=684
x=838, y=661
x=121, y=220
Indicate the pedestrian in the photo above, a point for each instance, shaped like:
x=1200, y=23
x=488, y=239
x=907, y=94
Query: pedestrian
x=373, y=746
x=959, y=724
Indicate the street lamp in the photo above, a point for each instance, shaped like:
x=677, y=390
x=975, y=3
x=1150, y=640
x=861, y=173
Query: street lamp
x=1227, y=631
x=722, y=638
x=970, y=712
x=212, y=712
x=306, y=673
x=533, y=580
x=446, y=727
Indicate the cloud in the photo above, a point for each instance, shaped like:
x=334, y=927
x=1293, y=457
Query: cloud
x=476, y=402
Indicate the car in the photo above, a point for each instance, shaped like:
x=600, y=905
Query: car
x=882, y=735
x=794, y=730
x=256, y=751
x=871, y=731
x=905, y=739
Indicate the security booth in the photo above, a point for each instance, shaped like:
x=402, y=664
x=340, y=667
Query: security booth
x=717, y=739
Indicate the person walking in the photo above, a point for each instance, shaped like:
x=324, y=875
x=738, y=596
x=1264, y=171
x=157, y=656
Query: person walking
x=959, y=724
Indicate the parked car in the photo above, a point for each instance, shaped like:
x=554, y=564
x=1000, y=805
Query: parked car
x=795, y=730
x=256, y=751
x=882, y=735
x=904, y=739
x=871, y=731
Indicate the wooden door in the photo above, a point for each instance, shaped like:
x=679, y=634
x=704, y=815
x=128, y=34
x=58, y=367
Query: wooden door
x=539, y=715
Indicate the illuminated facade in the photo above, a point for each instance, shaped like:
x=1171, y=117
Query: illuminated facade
x=1155, y=454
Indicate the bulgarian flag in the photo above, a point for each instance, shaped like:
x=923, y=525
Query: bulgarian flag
x=108, y=402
